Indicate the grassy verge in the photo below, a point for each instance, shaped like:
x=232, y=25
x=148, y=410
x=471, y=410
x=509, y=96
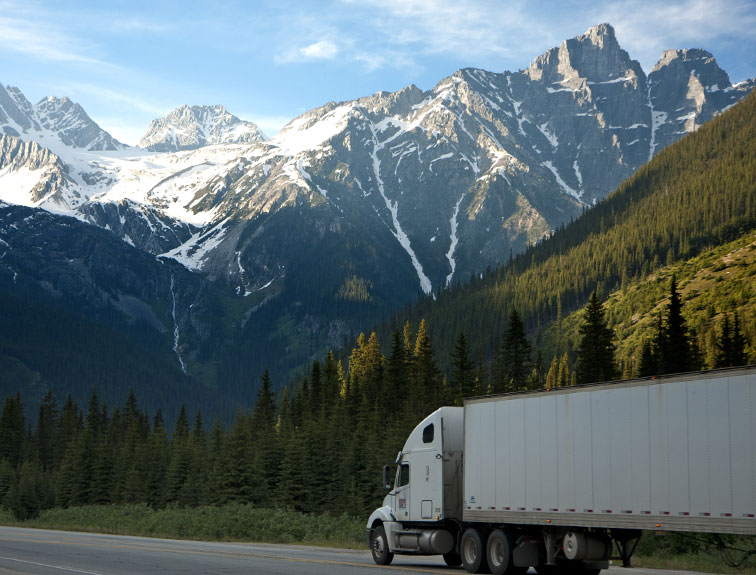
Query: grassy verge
x=226, y=523
x=703, y=562
x=693, y=552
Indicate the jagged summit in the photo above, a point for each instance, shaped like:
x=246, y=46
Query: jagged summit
x=191, y=127
x=694, y=61
x=52, y=122
x=72, y=124
x=595, y=56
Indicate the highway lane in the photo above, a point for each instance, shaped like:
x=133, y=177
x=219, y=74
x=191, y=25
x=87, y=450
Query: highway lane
x=43, y=552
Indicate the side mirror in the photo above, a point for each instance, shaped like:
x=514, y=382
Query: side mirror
x=386, y=477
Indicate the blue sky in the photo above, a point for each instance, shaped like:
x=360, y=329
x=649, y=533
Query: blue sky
x=127, y=62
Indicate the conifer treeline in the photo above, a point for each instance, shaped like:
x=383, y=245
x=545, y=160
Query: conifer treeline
x=319, y=449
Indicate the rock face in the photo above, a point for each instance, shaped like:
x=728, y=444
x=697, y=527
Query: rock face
x=53, y=123
x=139, y=225
x=687, y=88
x=189, y=128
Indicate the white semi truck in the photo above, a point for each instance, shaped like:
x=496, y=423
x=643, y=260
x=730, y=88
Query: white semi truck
x=563, y=480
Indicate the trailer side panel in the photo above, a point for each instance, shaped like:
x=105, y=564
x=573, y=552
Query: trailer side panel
x=678, y=452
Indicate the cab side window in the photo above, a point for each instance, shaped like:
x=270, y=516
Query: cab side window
x=428, y=433
x=402, y=475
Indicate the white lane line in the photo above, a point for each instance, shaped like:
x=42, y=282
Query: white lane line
x=51, y=566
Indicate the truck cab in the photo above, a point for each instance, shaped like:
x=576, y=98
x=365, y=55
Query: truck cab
x=419, y=513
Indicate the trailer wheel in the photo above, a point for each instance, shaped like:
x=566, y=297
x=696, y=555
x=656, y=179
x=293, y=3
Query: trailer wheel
x=379, y=547
x=473, y=551
x=499, y=554
x=452, y=558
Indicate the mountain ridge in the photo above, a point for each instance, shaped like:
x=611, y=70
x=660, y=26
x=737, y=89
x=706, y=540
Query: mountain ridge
x=356, y=208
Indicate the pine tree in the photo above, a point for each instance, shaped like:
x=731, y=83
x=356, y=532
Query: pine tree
x=12, y=430
x=316, y=389
x=596, y=350
x=676, y=354
x=648, y=365
x=397, y=374
x=180, y=458
x=513, y=363
x=462, y=371
x=330, y=382
x=724, y=344
x=265, y=408
x=738, y=343
x=265, y=437
x=69, y=425
x=157, y=463
x=427, y=374
x=730, y=344
x=552, y=376
x=45, y=436
x=565, y=376
x=537, y=378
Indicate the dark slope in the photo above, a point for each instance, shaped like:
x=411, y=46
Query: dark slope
x=82, y=310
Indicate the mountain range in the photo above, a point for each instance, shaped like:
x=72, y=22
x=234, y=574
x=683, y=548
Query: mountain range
x=354, y=208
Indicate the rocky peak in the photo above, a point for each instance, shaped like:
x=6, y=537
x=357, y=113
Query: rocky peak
x=51, y=120
x=16, y=113
x=693, y=62
x=72, y=125
x=595, y=56
x=191, y=127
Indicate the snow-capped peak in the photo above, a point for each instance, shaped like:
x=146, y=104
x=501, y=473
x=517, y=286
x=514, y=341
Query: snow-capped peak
x=191, y=127
x=52, y=122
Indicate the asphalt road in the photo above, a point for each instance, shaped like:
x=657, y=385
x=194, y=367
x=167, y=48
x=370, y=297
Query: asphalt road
x=42, y=552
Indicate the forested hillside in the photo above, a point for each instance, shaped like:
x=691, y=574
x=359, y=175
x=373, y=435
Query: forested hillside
x=718, y=289
x=694, y=196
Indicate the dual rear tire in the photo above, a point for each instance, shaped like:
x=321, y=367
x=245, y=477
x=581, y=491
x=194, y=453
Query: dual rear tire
x=484, y=552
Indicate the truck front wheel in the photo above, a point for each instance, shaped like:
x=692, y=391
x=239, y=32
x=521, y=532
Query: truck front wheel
x=379, y=547
x=473, y=551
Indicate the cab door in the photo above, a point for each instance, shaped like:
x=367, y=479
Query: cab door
x=402, y=492
x=426, y=476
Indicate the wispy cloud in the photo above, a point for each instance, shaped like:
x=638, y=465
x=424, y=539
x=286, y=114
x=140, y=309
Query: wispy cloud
x=321, y=50
x=42, y=40
x=508, y=34
x=645, y=29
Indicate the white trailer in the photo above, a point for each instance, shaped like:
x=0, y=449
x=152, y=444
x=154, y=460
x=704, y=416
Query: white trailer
x=558, y=479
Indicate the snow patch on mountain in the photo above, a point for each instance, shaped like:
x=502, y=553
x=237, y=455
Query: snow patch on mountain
x=453, y=241
x=564, y=185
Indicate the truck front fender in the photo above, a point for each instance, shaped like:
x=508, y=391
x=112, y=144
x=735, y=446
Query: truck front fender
x=381, y=515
